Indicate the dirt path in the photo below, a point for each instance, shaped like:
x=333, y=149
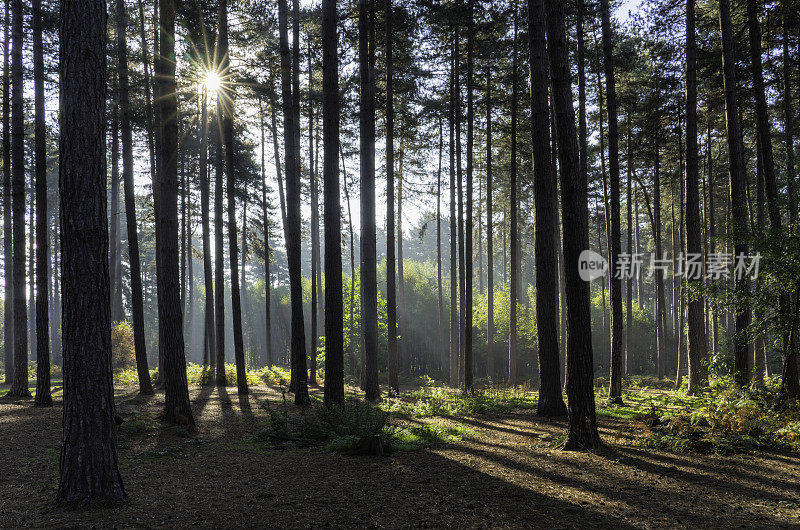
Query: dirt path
x=507, y=474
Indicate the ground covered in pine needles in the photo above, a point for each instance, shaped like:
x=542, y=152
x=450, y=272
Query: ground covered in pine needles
x=448, y=461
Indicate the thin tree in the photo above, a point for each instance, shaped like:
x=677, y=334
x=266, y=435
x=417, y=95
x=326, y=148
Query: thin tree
x=453, y=372
x=738, y=190
x=298, y=347
x=219, y=253
x=490, y=360
x=391, y=262
x=176, y=391
x=615, y=238
x=468, y=266
x=208, y=273
x=43, y=397
x=582, y=432
x=369, y=285
x=334, y=325
x=137, y=303
x=514, y=228
x=19, y=385
x=698, y=375
x=267, y=250
x=89, y=468
x=551, y=403
x=8, y=270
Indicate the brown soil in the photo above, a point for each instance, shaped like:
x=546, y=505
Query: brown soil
x=507, y=475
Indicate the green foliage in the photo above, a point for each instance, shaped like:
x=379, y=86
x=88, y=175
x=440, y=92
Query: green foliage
x=448, y=402
x=123, y=352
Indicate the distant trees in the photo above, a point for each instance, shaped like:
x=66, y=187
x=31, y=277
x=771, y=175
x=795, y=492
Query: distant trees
x=89, y=469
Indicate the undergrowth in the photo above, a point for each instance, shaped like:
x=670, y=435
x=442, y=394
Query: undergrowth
x=448, y=402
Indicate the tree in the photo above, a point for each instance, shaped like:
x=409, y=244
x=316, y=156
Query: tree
x=391, y=264
x=176, y=392
x=468, y=266
x=267, y=250
x=738, y=189
x=551, y=403
x=453, y=372
x=43, y=397
x=8, y=269
x=230, y=156
x=298, y=348
x=490, y=369
x=334, y=328
x=89, y=470
x=19, y=385
x=369, y=285
x=208, y=273
x=582, y=432
x=615, y=238
x=697, y=334
x=219, y=252
x=514, y=228
x=137, y=309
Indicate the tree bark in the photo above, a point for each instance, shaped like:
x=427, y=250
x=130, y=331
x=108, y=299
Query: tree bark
x=453, y=372
x=490, y=360
x=8, y=269
x=43, y=397
x=334, y=322
x=514, y=272
x=176, y=392
x=391, y=262
x=580, y=373
x=738, y=189
x=551, y=403
x=468, y=266
x=88, y=462
x=267, y=251
x=369, y=287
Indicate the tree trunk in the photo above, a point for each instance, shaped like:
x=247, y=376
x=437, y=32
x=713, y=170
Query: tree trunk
x=89, y=469
x=137, y=309
x=43, y=397
x=788, y=128
x=738, y=188
x=514, y=273
x=114, y=229
x=551, y=403
x=580, y=377
x=453, y=372
x=315, y=257
x=19, y=386
x=267, y=251
x=176, y=406
x=630, y=249
x=208, y=274
x=369, y=286
x=298, y=347
x=219, y=257
x=490, y=369
x=698, y=375
x=334, y=321
x=659, y=305
x=8, y=269
x=460, y=205
x=391, y=262
x=468, y=266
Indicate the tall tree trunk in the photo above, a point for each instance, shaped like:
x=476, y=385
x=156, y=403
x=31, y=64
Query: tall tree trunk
x=369, y=287
x=391, y=287
x=230, y=167
x=659, y=305
x=630, y=249
x=114, y=228
x=354, y=343
x=273, y=112
x=315, y=257
x=267, y=250
x=441, y=339
x=298, y=347
x=490, y=369
x=176, y=406
x=334, y=321
x=219, y=256
x=580, y=373
x=137, y=309
x=738, y=188
x=460, y=205
x=468, y=266
x=8, y=269
x=788, y=128
x=403, y=354
x=43, y=397
x=454, y=326
x=512, y=326
x=698, y=375
x=615, y=238
x=551, y=403
x=19, y=385
x=208, y=273
x=89, y=470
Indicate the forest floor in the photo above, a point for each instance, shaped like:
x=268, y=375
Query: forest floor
x=496, y=469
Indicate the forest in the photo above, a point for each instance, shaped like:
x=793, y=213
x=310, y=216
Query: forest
x=400, y=263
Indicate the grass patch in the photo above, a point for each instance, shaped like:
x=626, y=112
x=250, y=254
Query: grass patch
x=448, y=402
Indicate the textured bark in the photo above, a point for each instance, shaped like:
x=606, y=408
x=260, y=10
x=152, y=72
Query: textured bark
x=615, y=238
x=629, y=283
x=453, y=372
x=788, y=128
x=314, y=222
x=580, y=373
x=738, y=189
x=176, y=392
x=659, y=305
x=391, y=262
x=441, y=339
x=19, y=385
x=460, y=214
x=43, y=397
x=88, y=462
x=468, y=266
x=290, y=135
x=514, y=228
x=698, y=375
x=208, y=273
x=551, y=403
x=233, y=242
x=490, y=360
x=334, y=325
x=114, y=242
x=267, y=250
x=219, y=256
x=369, y=287
x=137, y=304
x=8, y=269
